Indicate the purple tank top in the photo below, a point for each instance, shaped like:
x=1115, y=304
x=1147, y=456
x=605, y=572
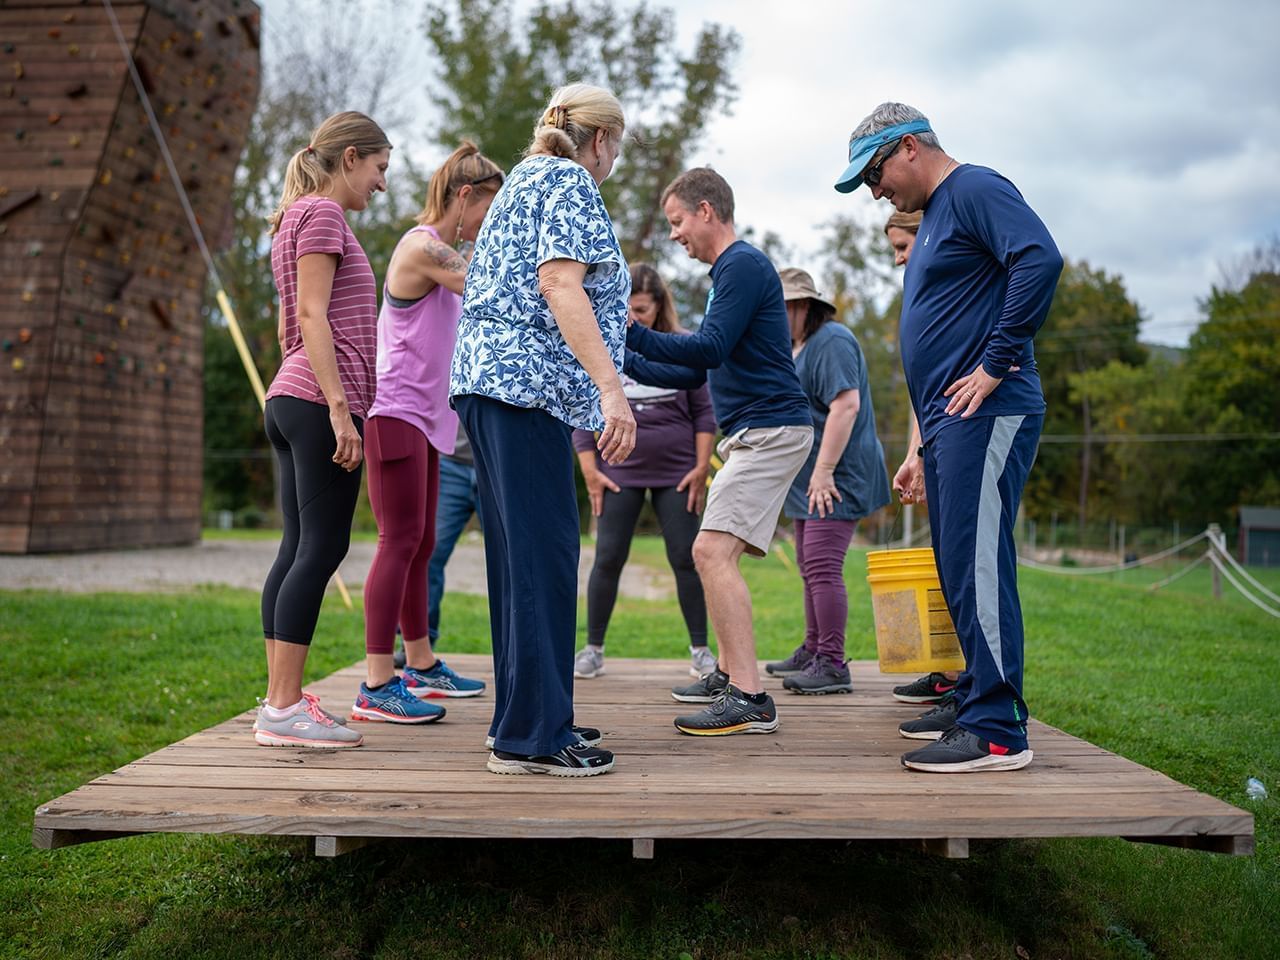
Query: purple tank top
x=415, y=349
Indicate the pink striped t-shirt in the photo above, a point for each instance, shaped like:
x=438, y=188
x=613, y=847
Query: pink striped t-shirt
x=316, y=225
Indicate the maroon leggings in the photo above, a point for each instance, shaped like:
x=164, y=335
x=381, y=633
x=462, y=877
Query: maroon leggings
x=404, y=483
x=821, y=546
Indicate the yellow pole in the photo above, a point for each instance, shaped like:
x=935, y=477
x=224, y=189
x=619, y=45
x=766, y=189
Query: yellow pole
x=242, y=348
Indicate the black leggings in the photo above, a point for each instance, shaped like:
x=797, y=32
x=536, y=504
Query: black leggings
x=614, y=530
x=317, y=502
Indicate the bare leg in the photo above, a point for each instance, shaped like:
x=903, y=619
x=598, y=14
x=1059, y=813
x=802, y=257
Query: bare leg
x=418, y=654
x=284, y=678
x=716, y=555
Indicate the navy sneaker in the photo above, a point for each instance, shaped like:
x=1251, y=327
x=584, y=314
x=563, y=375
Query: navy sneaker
x=587, y=736
x=731, y=712
x=930, y=689
x=440, y=681
x=392, y=703
x=575, y=760
x=798, y=660
x=933, y=723
x=959, y=751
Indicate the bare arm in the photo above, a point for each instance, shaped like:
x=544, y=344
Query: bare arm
x=696, y=479
x=560, y=282
x=315, y=286
x=908, y=482
x=416, y=268
x=841, y=414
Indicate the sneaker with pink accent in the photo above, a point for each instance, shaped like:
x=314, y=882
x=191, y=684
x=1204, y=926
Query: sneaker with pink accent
x=303, y=725
x=305, y=696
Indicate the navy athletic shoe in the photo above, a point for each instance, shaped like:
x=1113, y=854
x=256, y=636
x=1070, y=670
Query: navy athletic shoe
x=392, y=703
x=575, y=760
x=933, y=723
x=959, y=751
x=930, y=689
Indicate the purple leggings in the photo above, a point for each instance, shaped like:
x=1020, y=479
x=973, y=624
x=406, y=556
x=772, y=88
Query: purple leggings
x=821, y=546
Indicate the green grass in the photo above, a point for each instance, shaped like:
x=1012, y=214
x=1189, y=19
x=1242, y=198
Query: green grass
x=1174, y=681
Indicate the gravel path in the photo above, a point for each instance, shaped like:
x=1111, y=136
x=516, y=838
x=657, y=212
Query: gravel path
x=244, y=563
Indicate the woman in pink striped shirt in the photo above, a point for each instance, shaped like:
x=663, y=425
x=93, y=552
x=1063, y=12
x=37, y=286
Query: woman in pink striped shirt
x=316, y=405
x=410, y=425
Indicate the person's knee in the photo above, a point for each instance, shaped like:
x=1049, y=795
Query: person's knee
x=713, y=551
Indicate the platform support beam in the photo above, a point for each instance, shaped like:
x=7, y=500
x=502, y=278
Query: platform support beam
x=1233, y=846
x=338, y=846
x=51, y=838
x=642, y=849
x=949, y=848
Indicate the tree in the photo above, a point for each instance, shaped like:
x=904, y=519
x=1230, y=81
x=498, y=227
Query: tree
x=497, y=70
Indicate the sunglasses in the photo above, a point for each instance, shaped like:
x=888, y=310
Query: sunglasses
x=872, y=173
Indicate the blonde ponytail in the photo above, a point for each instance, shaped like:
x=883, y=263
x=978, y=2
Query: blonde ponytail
x=466, y=166
x=311, y=169
x=572, y=118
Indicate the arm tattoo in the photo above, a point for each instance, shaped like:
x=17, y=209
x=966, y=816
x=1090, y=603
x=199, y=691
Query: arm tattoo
x=444, y=256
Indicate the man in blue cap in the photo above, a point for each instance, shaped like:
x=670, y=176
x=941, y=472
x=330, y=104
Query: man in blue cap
x=977, y=288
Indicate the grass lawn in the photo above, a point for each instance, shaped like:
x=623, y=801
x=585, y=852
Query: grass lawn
x=1172, y=680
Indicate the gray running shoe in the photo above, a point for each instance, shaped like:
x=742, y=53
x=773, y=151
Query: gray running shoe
x=931, y=724
x=705, y=690
x=820, y=676
x=959, y=751
x=587, y=736
x=793, y=664
x=306, y=725
x=731, y=712
x=575, y=760
x=305, y=696
x=589, y=662
x=703, y=661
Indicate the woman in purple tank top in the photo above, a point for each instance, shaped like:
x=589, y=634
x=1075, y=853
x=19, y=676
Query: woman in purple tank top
x=410, y=424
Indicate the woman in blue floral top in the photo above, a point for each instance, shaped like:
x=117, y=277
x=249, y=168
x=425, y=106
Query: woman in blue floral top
x=539, y=348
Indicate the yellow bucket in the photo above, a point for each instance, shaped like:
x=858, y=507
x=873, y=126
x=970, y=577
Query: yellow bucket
x=914, y=632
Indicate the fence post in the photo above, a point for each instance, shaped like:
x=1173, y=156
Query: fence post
x=1215, y=537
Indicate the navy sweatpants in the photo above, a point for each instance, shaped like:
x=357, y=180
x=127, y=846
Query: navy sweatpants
x=974, y=472
x=528, y=508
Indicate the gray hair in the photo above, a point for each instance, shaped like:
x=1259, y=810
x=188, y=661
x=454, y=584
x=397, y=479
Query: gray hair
x=891, y=114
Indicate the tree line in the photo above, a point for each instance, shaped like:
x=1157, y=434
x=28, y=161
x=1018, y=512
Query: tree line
x=1140, y=435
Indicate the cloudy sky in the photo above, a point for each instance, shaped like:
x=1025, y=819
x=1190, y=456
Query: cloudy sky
x=1146, y=134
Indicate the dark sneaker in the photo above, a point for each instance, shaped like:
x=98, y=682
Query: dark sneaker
x=588, y=736
x=731, y=712
x=820, y=676
x=933, y=723
x=575, y=760
x=705, y=690
x=398, y=658
x=959, y=751
x=930, y=689
x=793, y=664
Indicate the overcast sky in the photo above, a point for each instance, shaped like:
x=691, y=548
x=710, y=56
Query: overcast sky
x=1145, y=134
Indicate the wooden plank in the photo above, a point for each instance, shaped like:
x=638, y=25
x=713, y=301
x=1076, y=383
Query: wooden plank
x=1233, y=846
x=44, y=838
x=340, y=846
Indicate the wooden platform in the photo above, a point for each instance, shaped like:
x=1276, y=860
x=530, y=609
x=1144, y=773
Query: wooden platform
x=831, y=771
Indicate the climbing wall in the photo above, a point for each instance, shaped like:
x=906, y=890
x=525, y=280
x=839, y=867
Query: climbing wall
x=101, y=281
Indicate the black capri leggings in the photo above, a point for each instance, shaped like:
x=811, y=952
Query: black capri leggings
x=317, y=502
x=614, y=530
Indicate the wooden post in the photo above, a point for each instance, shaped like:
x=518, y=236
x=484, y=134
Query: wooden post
x=642, y=849
x=1215, y=539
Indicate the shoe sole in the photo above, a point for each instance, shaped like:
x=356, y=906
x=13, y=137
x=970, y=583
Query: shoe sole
x=276, y=740
x=921, y=734
x=686, y=698
x=1013, y=761
x=589, y=676
x=376, y=716
x=518, y=767
x=834, y=688
x=931, y=698
x=753, y=726
x=783, y=673
x=435, y=693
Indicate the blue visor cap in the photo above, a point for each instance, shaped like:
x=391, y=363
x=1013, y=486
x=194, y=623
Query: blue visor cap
x=863, y=149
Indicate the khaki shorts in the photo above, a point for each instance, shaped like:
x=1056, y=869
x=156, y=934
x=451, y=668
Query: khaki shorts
x=747, y=493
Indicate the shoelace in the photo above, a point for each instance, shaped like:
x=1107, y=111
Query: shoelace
x=313, y=710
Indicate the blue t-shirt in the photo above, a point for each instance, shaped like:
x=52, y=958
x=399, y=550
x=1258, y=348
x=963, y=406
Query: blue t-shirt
x=509, y=346
x=977, y=288
x=830, y=363
x=744, y=344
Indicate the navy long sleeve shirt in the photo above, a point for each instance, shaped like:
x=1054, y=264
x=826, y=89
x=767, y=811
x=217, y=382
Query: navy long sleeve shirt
x=981, y=277
x=744, y=344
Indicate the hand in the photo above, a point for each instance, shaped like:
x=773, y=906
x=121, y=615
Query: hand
x=908, y=482
x=822, y=488
x=349, y=449
x=696, y=481
x=967, y=393
x=597, y=482
x=618, y=438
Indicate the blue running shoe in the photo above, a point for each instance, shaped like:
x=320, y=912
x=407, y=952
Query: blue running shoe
x=440, y=681
x=392, y=703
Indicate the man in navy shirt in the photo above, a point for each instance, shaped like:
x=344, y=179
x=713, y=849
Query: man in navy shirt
x=977, y=288
x=743, y=351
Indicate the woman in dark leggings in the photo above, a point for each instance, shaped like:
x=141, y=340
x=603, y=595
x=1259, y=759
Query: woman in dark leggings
x=316, y=405
x=675, y=434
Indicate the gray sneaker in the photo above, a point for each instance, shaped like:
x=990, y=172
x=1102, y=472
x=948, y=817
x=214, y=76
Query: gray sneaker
x=792, y=665
x=703, y=661
x=305, y=696
x=705, y=690
x=306, y=725
x=589, y=662
x=931, y=724
x=729, y=713
x=820, y=676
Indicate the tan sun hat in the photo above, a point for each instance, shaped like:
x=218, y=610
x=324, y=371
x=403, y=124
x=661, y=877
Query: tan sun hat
x=798, y=285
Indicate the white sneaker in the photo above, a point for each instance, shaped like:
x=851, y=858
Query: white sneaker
x=589, y=662
x=704, y=661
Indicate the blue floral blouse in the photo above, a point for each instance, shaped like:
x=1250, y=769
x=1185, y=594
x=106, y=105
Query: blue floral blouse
x=509, y=347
